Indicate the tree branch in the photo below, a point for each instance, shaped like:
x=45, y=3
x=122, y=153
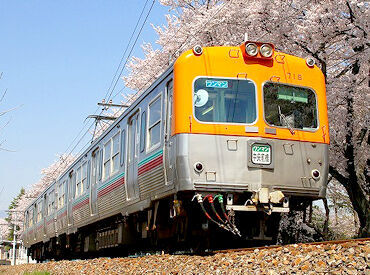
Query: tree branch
x=338, y=176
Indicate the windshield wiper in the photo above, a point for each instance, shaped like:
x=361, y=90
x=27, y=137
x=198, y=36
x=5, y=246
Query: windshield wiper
x=287, y=123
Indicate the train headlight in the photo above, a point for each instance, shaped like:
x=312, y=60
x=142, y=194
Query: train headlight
x=315, y=174
x=251, y=49
x=310, y=62
x=266, y=50
x=198, y=50
x=198, y=167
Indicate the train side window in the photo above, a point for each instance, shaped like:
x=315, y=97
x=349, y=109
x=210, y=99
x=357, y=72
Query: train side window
x=111, y=156
x=61, y=194
x=106, y=165
x=50, y=207
x=45, y=206
x=26, y=220
x=169, y=107
x=30, y=222
x=81, y=179
x=39, y=211
x=123, y=147
x=154, y=127
x=78, y=181
x=100, y=165
x=142, y=131
x=115, y=153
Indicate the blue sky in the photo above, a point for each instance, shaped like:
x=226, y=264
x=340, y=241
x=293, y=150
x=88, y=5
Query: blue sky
x=58, y=59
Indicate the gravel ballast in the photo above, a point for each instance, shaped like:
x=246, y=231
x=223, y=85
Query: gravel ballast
x=345, y=258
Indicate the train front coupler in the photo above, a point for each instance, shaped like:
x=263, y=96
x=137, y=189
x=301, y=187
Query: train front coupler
x=261, y=201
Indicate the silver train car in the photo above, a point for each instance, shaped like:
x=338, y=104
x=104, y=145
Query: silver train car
x=220, y=144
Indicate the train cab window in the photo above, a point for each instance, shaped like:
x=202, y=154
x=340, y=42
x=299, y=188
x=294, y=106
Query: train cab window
x=39, y=211
x=154, y=129
x=142, y=131
x=224, y=100
x=61, y=194
x=111, y=156
x=290, y=106
x=81, y=180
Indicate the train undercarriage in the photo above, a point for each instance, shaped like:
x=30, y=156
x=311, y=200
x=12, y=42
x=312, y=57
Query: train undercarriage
x=187, y=222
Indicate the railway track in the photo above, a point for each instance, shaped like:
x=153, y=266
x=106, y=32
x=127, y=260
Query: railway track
x=277, y=246
x=329, y=257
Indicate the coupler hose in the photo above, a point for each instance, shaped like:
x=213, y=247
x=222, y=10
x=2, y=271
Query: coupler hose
x=221, y=202
x=200, y=201
x=210, y=200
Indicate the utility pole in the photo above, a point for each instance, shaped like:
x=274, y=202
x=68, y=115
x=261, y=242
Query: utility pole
x=14, y=242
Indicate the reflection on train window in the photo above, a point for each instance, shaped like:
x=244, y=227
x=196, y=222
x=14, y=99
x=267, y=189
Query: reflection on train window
x=111, y=156
x=154, y=133
x=290, y=106
x=224, y=100
x=81, y=180
x=61, y=192
x=39, y=211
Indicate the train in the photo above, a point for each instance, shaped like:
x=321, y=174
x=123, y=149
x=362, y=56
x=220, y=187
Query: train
x=216, y=149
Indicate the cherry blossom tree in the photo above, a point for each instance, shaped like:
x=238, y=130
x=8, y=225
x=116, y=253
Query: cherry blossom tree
x=335, y=33
x=3, y=229
x=48, y=176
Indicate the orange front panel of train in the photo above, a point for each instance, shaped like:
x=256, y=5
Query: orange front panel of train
x=231, y=63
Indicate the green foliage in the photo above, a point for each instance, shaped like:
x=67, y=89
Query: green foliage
x=9, y=218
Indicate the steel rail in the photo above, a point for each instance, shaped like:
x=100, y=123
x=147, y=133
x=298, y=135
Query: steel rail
x=360, y=240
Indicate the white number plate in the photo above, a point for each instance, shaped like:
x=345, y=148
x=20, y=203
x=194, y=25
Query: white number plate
x=261, y=154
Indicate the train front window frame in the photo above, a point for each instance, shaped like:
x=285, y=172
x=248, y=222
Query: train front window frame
x=218, y=93
x=277, y=112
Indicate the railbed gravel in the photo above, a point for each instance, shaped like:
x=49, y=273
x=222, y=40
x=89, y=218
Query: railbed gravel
x=346, y=258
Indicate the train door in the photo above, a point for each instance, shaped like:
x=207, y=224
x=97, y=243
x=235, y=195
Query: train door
x=70, y=196
x=132, y=158
x=169, y=148
x=94, y=181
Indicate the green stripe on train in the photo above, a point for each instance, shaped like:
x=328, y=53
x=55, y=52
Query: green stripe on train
x=111, y=181
x=146, y=160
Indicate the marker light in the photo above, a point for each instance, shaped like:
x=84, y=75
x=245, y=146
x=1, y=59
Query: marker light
x=251, y=49
x=310, y=62
x=266, y=50
x=198, y=167
x=315, y=174
x=197, y=50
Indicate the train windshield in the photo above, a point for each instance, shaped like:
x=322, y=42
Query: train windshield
x=224, y=100
x=290, y=106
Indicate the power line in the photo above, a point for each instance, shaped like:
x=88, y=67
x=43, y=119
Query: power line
x=178, y=50
x=132, y=47
x=110, y=88
x=123, y=56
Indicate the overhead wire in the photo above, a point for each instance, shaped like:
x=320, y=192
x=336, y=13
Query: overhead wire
x=133, y=46
x=182, y=45
x=124, y=53
x=110, y=87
